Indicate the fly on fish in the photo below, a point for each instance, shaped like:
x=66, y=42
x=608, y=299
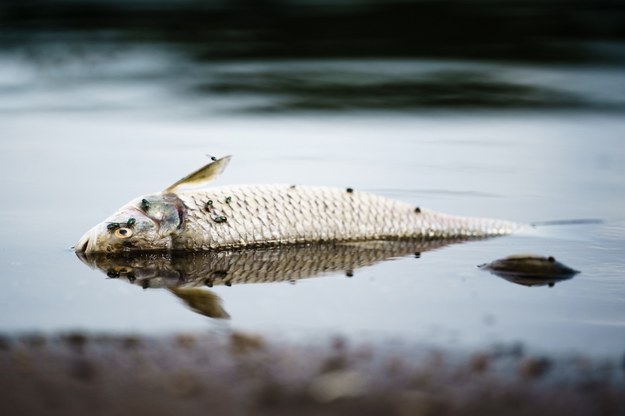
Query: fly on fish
x=189, y=216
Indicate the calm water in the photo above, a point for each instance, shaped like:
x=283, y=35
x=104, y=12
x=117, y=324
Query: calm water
x=82, y=137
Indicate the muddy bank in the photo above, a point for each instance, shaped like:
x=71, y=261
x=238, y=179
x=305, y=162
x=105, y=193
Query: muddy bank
x=246, y=374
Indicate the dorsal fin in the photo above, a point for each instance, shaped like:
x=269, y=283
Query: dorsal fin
x=201, y=176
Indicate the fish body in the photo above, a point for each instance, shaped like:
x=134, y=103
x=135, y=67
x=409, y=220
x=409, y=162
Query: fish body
x=266, y=215
x=280, y=214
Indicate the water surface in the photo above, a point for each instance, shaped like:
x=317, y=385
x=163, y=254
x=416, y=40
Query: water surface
x=524, y=143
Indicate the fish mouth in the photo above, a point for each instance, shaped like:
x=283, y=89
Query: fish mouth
x=86, y=244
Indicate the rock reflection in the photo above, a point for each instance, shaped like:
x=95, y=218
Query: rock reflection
x=188, y=274
x=532, y=281
x=530, y=270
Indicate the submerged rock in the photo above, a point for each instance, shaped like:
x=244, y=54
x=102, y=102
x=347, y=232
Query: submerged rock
x=530, y=270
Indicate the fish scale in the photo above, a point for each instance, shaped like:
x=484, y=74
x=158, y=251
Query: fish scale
x=281, y=214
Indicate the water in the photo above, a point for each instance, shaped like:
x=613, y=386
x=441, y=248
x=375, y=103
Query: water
x=519, y=142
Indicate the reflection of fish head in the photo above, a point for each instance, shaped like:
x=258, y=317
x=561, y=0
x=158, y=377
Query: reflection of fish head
x=154, y=270
x=146, y=223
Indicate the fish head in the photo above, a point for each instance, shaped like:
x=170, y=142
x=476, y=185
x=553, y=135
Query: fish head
x=145, y=223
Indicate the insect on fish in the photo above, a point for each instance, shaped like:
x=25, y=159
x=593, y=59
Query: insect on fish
x=188, y=216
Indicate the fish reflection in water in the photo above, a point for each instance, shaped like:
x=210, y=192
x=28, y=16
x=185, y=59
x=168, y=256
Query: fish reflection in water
x=187, y=274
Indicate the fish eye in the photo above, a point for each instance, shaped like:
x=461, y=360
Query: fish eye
x=123, y=232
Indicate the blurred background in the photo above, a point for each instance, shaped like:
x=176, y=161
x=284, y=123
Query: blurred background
x=547, y=31
x=110, y=38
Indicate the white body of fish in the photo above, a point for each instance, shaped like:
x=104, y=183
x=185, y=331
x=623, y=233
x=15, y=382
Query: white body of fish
x=280, y=214
x=264, y=215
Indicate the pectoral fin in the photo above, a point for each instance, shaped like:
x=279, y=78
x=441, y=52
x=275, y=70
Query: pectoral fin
x=201, y=301
x=201, y=176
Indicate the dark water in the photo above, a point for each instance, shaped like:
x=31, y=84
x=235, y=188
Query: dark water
x=522, y=142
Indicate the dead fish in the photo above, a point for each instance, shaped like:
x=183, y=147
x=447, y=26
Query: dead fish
x=183, y=217
x=530, y=269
